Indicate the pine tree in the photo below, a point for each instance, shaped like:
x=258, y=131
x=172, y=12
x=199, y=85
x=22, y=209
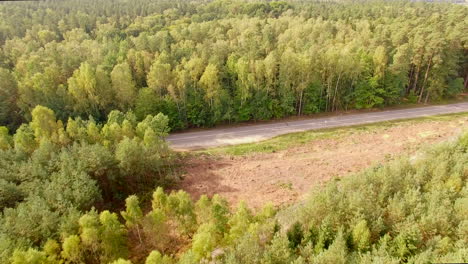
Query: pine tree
x=133, y=214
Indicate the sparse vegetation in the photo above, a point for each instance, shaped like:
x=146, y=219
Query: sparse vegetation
x=295, y=139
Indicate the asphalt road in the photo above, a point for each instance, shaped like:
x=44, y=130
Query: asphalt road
x=254, y=133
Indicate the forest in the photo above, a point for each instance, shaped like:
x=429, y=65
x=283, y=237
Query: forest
x=203, y=63
x=407, y=211
x=90, y=89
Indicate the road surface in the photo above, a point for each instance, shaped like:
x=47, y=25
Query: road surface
x=254, y=133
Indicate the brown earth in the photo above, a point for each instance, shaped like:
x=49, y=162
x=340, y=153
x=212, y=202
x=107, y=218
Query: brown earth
x=287, y=175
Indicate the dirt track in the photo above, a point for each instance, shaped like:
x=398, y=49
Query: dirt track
x=285, y=176
x=254, y=133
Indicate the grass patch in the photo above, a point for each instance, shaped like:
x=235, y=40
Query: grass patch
x=296, y=139
x=286, y=185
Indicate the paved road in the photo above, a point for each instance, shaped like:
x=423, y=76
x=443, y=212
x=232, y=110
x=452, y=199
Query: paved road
x=254, y=133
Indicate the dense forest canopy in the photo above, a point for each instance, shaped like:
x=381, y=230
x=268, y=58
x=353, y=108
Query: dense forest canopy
x=208, y=62
x=51, y=173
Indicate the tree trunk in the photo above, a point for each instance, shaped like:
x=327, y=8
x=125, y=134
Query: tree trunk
x=300, y=103
x=408, y=85
x=139, y=236
x=335, y=93
x=427, y=97
x=466, y=81
x=416, y=78
x=425, y=79
x=327, y=104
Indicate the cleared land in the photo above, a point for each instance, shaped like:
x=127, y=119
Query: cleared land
x=283, y=169
x=254, y=133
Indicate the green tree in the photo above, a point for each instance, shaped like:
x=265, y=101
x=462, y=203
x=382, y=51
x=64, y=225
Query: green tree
x=123, y=86
x=5, y=139
x=160, y=77
x=83, y=88
x=361, y=236
x=8, y=98
x=31, y=256
x=239, y=222
x=156, y=258
x=121, y=261
x=133, y=214
x=210, y=82
x=113, y=236
x=24, y=139
x=44, y=123
x=71, y=249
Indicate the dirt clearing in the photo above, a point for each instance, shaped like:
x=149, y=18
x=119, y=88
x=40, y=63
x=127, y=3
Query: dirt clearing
x=287, y=175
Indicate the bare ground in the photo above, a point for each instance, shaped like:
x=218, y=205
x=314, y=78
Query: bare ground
x=286, y=176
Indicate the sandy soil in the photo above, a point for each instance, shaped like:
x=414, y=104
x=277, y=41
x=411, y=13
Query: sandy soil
x=286, y=176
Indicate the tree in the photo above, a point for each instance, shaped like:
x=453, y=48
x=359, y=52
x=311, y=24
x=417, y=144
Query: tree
x=278, y=252
x=90, y=234
x=31, y=256
x=211, y=84
x=156, y=258
x=113, y=236
x=239, y=222
x=336, y=253
x=83, y=88
x=295, y=235
x=158, y=123
x=5, y=139
x=10, y=194
x=204, y=241
x=148, y=103
x=44, y=123
x=121, y=261
x=133, y=214
x=72, y=249
x=160, y=77
x=24, y=139
x=8, y=97
x=123, y=85
x=361, y=236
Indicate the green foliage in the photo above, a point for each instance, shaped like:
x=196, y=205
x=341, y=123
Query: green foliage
x=8, y=97
x=123, y=85
x=72, y=251
x=133, y=213
x=455, y=87
x=121, y=261
x=24, y=139
x=204, y=63
x=113, y=237
x=43, y=123
x=204, y=241
x=278, y=252
x=31, y=256
x=361, y=235
x=405, y=211
x=53, y=174
x=5, y=139
x=148, y=103
x=66, y=66
x=156, y=258
x=295, y=235
x=239, y=222
x=10, y=194
x=336, y=253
